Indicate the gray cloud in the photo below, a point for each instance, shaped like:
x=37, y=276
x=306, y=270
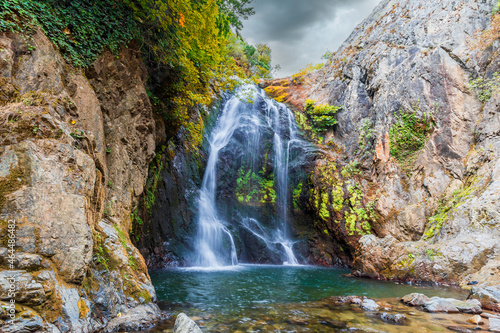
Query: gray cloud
x=299, y=32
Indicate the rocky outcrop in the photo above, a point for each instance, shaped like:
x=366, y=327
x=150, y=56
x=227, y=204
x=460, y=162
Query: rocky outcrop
x=438, y=211
x=74, y=152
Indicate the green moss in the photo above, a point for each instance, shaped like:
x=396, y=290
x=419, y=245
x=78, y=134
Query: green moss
x=445, y=211
x=350, y=169
x=338, y=198
x=409, y=135
x=14, y=181
x=323, y=211
x=255, y=188
x=296, y=195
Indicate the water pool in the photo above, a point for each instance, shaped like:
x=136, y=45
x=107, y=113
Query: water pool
x=260, y=298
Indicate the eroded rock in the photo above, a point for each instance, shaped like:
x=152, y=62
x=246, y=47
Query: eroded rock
x=183, y=324
x=397, y=318
x=369, y=305
x=415, y=299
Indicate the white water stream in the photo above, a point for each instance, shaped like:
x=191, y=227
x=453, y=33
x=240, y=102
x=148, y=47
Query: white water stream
x=214, y=244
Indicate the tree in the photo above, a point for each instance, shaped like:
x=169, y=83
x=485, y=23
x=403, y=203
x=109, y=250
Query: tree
x=233, y=11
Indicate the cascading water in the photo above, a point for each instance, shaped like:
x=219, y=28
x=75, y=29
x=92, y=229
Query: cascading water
x=249, y=113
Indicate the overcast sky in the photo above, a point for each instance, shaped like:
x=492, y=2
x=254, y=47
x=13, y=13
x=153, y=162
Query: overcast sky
x=299, y=32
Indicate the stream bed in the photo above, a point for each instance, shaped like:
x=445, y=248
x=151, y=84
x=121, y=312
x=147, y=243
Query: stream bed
x=261, y=298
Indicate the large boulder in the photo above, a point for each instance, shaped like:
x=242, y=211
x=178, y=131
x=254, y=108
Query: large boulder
x=489, y=296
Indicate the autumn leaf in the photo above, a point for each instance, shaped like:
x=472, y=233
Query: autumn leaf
x=182, y=20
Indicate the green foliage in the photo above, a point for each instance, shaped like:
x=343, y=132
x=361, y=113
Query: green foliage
x=327, y=56
x=321, y=116
x=338, y=197
x=100, y=252
x=299, y=77
x=330, y=196
x=154, y=178
x=80, y=29
x=496, y=8
x=254, y=60
x=365, y=135
x=485, y=88
x=184, y=40
x=409, y=135
x=445, y=211
x=296, y=195
x=123, y=240
x=430, y=254
x=255, y=188
x=323, y=207
x=231, y=12
x=350, y=169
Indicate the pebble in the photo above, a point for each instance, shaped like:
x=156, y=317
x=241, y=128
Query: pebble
x=476, y=320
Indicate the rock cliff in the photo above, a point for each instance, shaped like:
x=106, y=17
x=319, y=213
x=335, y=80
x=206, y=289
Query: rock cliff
x=436, y=210
x=74, y=153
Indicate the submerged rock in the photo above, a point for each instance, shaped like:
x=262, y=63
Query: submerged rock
x=459, y=329
x=415, y=299
x=369, y=305
x=184, y=324
x=393, y=318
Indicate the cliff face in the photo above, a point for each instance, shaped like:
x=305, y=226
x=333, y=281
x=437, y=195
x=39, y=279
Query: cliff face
x=438, y=209
x=74, y=152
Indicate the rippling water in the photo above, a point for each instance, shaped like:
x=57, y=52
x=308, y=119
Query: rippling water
x=263, y=298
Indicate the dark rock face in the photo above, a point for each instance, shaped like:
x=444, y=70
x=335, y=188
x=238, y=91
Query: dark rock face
x=166, y=239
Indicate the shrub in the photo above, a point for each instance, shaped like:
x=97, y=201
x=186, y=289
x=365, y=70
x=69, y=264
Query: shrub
x=322, y=116
x=485, y=88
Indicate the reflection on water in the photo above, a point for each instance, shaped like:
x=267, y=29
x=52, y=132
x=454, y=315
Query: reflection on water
x=249, y=298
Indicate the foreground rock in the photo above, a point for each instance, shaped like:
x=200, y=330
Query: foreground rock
x=494, y=325
x=369, y=305
x=136, y=319
x=489, y=296
x=476, y=320
x=184, y=324
x=438, y=304
x=415, y=299
x=74, y=153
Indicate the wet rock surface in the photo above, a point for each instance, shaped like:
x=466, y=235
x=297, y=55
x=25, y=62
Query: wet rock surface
x=393, y=318
x=183, y=324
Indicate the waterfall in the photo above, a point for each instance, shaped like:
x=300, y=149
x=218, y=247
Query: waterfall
x=252, y=113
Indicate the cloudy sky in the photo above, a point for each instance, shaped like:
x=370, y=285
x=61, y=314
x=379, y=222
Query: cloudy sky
x=299, y=32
